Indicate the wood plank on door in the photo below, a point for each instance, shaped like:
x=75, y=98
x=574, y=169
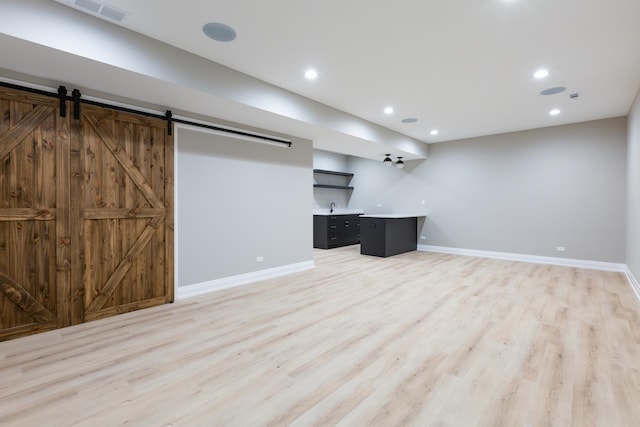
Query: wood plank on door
x=123, y=214
x=29, y=214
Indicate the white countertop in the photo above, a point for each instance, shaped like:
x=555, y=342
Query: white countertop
x=338, y=212
x=393, y=215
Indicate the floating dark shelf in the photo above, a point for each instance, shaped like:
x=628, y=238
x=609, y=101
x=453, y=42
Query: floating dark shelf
x=332, y=173
x=337, y=187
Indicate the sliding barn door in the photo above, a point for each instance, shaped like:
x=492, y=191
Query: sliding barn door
x=34, y=216
x=86, y=214
x=123, y=212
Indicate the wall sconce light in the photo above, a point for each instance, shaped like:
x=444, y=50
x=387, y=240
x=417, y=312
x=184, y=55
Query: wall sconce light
x=387, y=160
x=399, y=163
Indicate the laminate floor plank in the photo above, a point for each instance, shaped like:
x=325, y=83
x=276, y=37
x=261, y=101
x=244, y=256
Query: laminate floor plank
x=418, y=339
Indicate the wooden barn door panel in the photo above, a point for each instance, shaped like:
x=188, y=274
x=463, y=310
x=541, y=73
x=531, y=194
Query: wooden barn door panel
x=34, y=228
x=124, y=212
x=86, y=214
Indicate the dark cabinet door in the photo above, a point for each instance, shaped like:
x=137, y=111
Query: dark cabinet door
x=332, y=231
x=356, y=232
x=352, y=230
x=372, y=240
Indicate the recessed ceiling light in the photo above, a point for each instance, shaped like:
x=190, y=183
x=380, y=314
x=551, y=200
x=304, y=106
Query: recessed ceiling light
x=554, y=112
x=541, y=73
x=409, y=120
x=434, y=132
x=311, y=74
x=219, y=32
x=388, y=110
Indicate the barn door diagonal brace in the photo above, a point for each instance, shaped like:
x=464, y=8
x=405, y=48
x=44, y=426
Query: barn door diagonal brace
x=62, y=96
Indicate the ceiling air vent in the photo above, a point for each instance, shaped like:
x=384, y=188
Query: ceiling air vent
x=99, y=9
x=90, y=5
x=111, y=13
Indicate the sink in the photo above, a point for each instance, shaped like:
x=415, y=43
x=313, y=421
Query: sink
x=338, y=211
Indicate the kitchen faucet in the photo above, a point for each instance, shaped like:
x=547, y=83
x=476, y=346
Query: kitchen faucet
x=331, y=206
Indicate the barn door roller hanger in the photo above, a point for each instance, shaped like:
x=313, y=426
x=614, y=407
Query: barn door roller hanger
x=75, y=97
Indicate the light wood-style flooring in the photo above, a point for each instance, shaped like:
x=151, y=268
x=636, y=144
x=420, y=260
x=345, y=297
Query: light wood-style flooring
x=417, y=339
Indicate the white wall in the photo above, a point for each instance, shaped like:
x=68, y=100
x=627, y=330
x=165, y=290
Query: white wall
x=524, y=192
x=323, y=197
x=329, y=161
x=633, y=189
x=237, y=200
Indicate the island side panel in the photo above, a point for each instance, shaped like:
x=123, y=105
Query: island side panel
x=401, y=235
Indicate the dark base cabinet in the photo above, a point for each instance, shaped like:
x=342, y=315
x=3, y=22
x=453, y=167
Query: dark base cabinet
x=332, y=231
x=385, y=237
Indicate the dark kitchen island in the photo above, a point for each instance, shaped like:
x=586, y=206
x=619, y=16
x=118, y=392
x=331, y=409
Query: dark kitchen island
x=386, y=235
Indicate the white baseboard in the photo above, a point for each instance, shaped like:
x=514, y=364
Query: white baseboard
x=567, y=262
x=536, y=259
x=188, y=291
x=633, y=282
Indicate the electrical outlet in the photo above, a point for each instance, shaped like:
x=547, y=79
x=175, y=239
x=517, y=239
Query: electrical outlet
x=379, y=205
x=423, y=237
x=560, y=248
x=259, y=259
x=423, y=203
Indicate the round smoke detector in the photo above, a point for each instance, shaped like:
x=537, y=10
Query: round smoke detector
x=219, y=32
x=553, y=90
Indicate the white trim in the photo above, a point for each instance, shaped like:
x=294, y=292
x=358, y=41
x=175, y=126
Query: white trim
x=536, y=259
x=241, y=279
x=632, y=281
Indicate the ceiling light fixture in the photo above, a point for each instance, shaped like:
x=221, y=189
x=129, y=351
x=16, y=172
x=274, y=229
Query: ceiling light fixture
x=388, y=110
x=541, y=73
x=311, y=74
x=554, y=112
x=434, y=132
x=387, y=160
x=399, y=163
x=219, y=32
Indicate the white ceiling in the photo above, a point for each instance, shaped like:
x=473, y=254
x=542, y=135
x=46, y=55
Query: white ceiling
x=462, y=66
